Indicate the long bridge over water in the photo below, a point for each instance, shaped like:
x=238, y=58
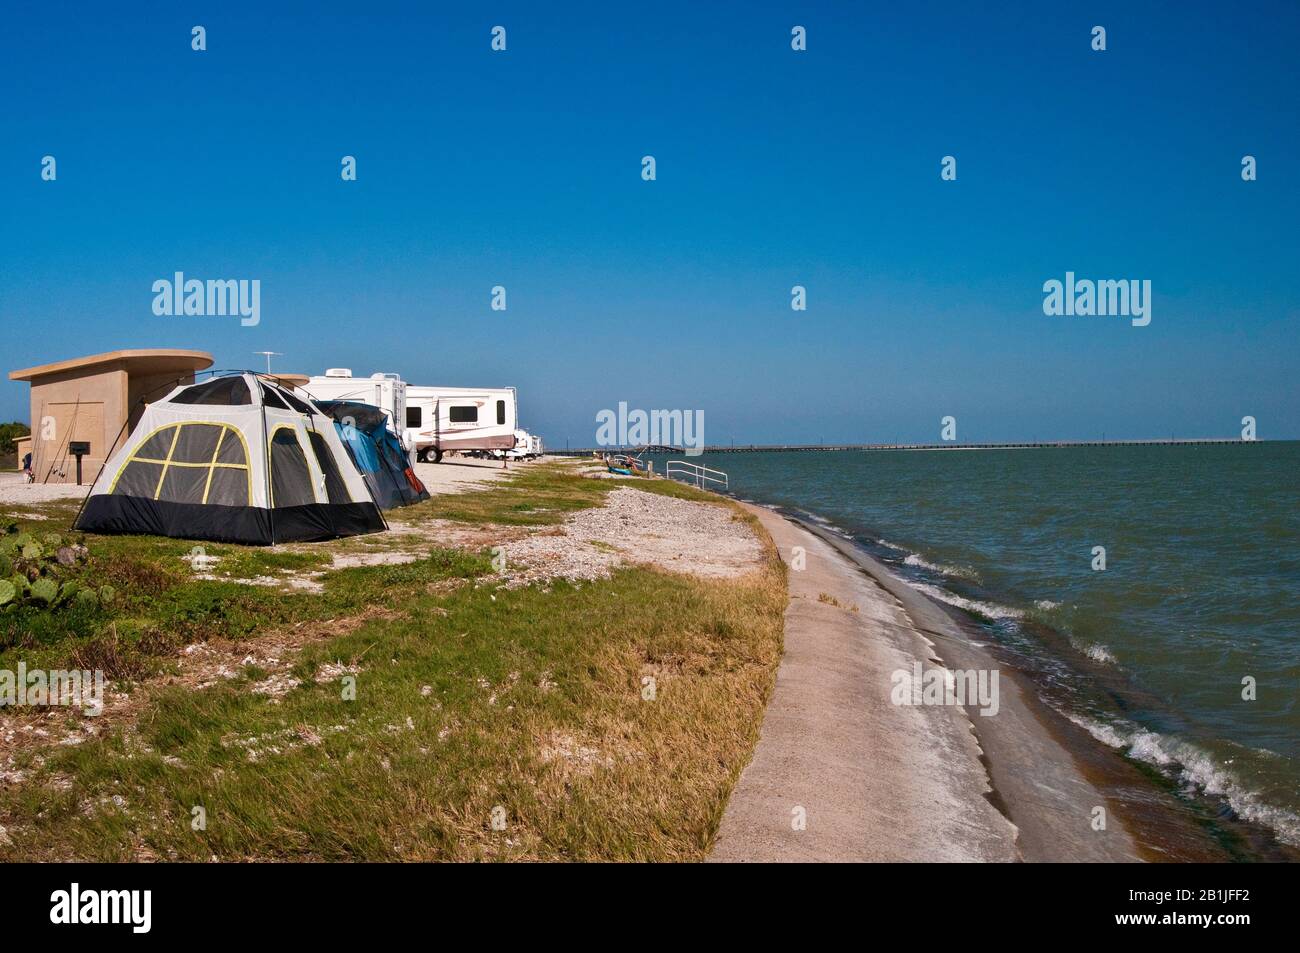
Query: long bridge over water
x=832, y=447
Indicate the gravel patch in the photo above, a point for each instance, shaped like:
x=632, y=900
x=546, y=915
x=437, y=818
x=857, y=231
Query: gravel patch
x=703, y=539
x=383, y=558
x=458, y=474
x=15, y=489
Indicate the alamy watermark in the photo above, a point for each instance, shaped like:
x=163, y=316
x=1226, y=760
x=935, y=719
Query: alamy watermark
x=664, y=428
x=54, y=688
x=225, y=296
x=1127, y=297
x=974, y=688
x=133, y=908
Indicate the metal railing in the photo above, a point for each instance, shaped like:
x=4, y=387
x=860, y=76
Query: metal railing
x=698, y=474
x=625, y=461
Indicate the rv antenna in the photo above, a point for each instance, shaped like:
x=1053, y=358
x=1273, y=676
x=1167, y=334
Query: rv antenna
x=268, y=355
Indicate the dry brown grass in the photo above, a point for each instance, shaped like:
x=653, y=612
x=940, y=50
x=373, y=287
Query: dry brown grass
x=470, y=698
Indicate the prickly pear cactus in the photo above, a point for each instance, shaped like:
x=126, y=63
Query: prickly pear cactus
x=46, y=590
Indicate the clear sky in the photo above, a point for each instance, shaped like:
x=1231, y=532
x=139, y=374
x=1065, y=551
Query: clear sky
x=775, y=168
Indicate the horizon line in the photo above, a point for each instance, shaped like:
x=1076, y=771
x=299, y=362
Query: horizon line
x=1009, y=445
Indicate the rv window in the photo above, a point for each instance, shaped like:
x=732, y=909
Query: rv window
x=413, y=417
x=501, y=411
x=464, y=415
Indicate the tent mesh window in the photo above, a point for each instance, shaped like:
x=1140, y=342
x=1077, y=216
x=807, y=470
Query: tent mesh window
x=191, y=462
x=223, y=391
x=335, y=489
x=157, y=445
x=290, y=478
x=272, y=399
x=299, y=405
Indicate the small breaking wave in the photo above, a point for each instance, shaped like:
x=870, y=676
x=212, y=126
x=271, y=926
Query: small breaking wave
x=1194, y=768
x=990, y=610
x=1097, y=652
x=957, y=572
x=825, y=523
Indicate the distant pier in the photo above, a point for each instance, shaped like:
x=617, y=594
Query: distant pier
x=834, y=447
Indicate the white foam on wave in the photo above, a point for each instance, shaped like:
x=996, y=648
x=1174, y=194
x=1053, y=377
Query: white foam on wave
x=957, y=572
x=1047, y=605
x=1196, y=769
x=824, y=522
x=989, y=610
x=915, y=560
x=1097, y=652
x=1102, y=732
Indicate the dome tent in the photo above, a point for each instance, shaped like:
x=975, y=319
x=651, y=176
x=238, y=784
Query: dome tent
x=234, y=459
x=376, y=451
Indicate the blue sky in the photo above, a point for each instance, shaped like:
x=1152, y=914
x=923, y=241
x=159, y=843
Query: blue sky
x=775, y=168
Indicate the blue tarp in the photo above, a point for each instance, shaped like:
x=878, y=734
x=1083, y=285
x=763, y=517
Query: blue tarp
x=376, y=452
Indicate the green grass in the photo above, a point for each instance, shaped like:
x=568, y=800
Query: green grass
x=541, y=495
x=54, y=515
x=540, y=699
x=161, y=604
x=468, y=697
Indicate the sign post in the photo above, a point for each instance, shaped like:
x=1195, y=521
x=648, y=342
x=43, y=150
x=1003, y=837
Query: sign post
x=78, y=448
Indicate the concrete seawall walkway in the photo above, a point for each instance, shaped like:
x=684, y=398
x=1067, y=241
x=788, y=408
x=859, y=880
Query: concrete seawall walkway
x=841, y=773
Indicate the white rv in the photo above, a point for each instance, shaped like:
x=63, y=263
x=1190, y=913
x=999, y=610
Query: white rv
x=520, y=449
x=527, y=447
x=388, y=392
x=460, y=419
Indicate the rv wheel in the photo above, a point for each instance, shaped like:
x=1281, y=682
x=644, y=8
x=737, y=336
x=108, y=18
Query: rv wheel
x=435, y=456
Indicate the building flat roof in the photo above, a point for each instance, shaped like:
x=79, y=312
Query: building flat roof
x=287, y=380
x=137, y=361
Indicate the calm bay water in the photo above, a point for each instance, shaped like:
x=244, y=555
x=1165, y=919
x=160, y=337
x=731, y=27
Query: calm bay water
x=1201, y=586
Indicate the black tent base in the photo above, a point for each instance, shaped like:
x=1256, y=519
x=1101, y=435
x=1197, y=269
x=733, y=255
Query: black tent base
x=251, y=525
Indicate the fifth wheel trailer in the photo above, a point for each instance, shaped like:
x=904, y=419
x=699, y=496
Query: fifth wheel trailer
x=388, y=392
x=459, y=419
x=527, y=447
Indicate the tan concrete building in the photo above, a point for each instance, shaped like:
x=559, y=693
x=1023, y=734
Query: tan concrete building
x=97, y=400
x=288, y=381
x=24, y=446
